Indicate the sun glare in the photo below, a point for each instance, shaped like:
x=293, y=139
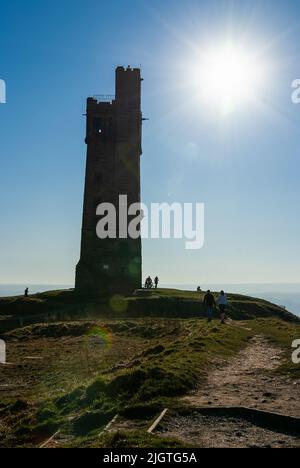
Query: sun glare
x=227, y=77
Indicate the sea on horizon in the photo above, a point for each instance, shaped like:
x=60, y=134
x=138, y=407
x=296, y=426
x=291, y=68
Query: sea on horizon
x=286, y=295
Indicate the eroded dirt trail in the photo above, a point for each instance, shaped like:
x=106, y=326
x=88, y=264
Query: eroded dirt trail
x=248, y=380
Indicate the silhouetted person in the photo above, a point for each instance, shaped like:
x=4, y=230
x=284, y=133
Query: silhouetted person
x=26, y=292
x=198, y=289
x=222, y=303
x=148, y=283
x=210, y=303
x=156, y=280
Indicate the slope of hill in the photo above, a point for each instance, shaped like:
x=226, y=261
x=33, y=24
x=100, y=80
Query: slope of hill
x=172, y=303
x=77, y=365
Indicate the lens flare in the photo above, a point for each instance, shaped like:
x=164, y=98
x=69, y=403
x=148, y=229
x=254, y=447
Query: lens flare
x=100, y=336
x=134, y=266
x=118, y=303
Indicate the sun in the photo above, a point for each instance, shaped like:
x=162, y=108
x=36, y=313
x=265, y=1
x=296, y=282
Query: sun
x=227, y=77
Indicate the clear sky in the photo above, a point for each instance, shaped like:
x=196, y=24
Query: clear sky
x=244, y=166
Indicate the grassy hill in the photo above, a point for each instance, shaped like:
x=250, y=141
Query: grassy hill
x=73, y=364
x=171, y=303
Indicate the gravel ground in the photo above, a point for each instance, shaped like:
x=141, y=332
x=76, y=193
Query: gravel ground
x=248, y=379
x=224, y=432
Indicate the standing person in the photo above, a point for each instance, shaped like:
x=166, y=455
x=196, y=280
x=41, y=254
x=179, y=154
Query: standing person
x=26, y=292
x=222, y=303
x=148, y=283
x=156, y=280
x=210, y=303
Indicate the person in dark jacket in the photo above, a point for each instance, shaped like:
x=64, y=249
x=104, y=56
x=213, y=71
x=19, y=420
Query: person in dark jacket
x=210, y=303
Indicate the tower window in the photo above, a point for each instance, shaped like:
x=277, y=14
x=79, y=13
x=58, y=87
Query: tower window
x=103, y=126
x=98, y=125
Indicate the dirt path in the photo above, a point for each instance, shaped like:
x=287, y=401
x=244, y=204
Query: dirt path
x=213, y=431
x=248, y=380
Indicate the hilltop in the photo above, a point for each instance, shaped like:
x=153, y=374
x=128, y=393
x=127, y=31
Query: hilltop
x=73, y=365
x=169, y=303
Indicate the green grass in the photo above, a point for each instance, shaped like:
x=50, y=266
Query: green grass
x=167, y=370
x=147, y=365
x=281, y=334
x=164, y=359
x=65, y=305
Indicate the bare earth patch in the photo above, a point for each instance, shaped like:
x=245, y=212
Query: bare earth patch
x=224, y=432
x=248, y=379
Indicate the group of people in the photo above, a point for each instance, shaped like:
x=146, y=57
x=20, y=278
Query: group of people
x=209, y=300
x=149, y=284
x=210, y=303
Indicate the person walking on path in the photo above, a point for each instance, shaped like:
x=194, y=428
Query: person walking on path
x=222, y=303
x=156, y=280
x=210, y=303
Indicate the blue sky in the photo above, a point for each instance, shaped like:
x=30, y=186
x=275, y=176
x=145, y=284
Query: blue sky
x=245, y=167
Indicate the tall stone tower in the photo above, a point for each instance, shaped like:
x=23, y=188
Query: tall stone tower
x=113, y=138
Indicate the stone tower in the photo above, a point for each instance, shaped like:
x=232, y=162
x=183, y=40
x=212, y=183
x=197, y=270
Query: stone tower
x=113, y=138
